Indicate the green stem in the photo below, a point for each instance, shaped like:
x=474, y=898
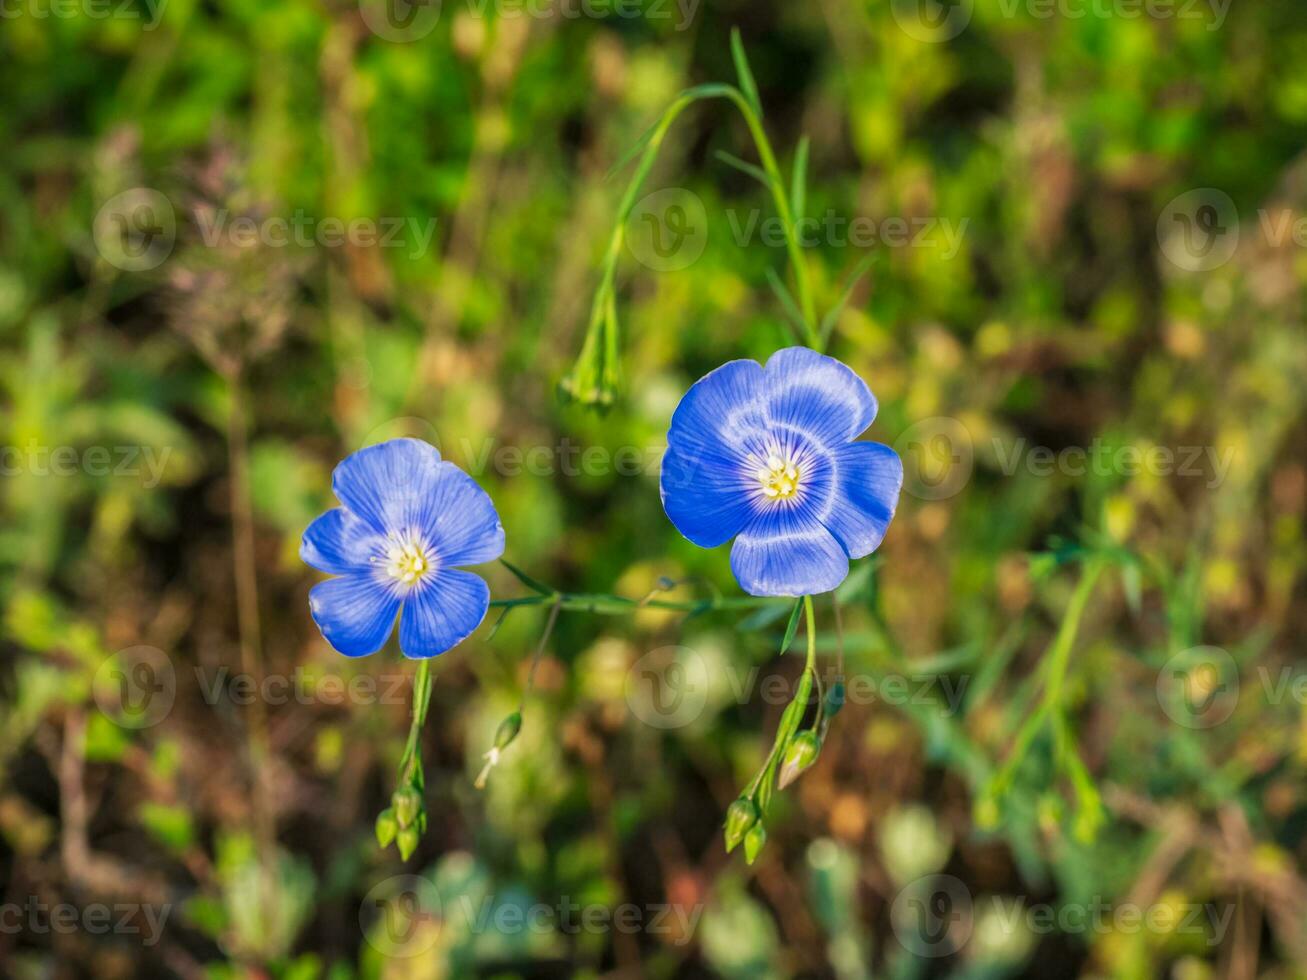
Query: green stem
x=810, y=620
x=421, y=702
x=1059, y=658
x=612, y=605
x=600, y=344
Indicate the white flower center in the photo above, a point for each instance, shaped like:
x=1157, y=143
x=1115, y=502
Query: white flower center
x=407, y=559
x=779, y=477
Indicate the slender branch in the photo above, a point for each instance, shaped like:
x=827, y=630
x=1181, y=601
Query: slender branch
x=613, y=605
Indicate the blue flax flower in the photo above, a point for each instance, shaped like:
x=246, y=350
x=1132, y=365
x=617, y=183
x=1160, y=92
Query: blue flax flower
x=766, y=455
x=408, y=522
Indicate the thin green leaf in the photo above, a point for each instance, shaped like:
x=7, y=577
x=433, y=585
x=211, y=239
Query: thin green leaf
x=710, y=90
x=533, y=584
x=799, y=180
x=760, y=618
x=858, y=578
x=787, y=302
x=503, y=615
x=747, y=84
x=632, y=153
x=828, y=322
x=744, y=166
x=792, y=627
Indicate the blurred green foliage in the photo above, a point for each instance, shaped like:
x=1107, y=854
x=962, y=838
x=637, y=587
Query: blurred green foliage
x=1053, y=136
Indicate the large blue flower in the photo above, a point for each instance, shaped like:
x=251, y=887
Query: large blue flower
x=408, y=522
x=766, y=455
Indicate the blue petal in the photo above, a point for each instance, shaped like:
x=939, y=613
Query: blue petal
x=463, y=526
x=723, y=415
x=704, y=472
x=390, y=485
x=786, y=551
x=441, y=614
x=708, y=502
x=339, y=542
x=867, y=483
x=355, y=612
x=817, y=395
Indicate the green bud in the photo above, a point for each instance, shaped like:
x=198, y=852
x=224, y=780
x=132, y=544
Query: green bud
x=594, y=379
x=407, y=839
x=834, y=697
x=408, y=804
x=508, y=729
x=753, y=842
x=387, y=827
x=799, y=755
x=740, y=816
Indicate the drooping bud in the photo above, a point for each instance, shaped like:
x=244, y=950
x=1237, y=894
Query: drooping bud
x=799, y=755
x=754, y=841
x=387, y=827
x=740, y=816
x=407, y=840
x=508, y=729
x=834, y=698
x=408, y=804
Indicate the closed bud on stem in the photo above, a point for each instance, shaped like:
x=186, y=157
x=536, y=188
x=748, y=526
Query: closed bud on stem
x=508, y=729
x=387, y=827
x=407, y=840
x=799, y=755
x=408, y=804
x=754, y=841
x=834, y=697
x=740, y=816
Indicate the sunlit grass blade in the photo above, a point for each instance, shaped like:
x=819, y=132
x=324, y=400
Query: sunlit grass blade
x=792, y=627
x=743, y=166
x=787, y=303
x=829, y=320
x=799, y=180
x=747, y=85
x=533, y=584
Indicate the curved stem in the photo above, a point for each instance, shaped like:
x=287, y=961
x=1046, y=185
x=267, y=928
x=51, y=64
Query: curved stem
x=595, y=373
x=614, y=605
x=421, y=702
x=810, y=620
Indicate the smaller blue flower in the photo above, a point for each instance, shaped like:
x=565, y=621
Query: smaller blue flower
x=767, y=456
x=410, y=520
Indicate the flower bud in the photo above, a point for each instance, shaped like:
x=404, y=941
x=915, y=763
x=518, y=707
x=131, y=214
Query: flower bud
x=740, y=816
x=508, y=729
x=387, y=827
x=407, y=840
x=834, y=698
x=799, y=755
x=753, y=842
x=408, y=804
